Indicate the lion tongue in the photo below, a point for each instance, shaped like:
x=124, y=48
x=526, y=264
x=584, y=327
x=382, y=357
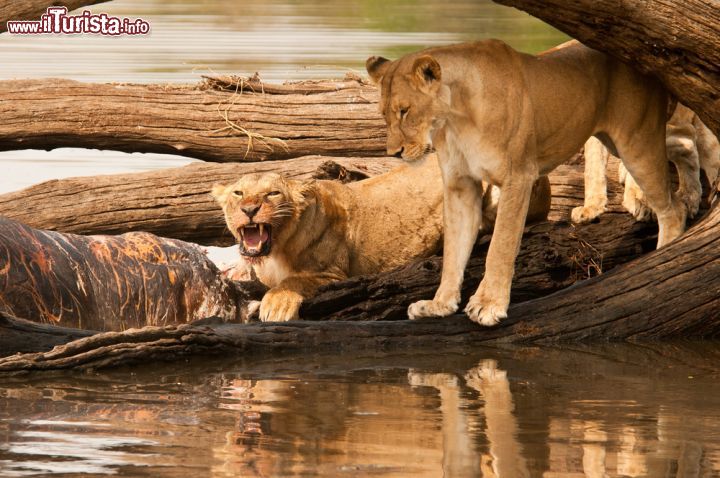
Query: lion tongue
x=253, y=237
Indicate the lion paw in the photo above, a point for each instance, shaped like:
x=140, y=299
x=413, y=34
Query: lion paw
x=585, y=214
x=634, y=202
x=280, y=306
x=485, y=372
x=637, y=206
x=486, y=311
x=691, y=200
x=431, y=308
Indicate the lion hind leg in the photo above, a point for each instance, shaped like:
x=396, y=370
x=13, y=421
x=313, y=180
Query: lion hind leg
x=595, y=201
x=682, y=151
x=634, y=200
x=648, y=166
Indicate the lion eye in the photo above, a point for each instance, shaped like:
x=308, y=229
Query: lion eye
x=273, y=193
x=237, y=193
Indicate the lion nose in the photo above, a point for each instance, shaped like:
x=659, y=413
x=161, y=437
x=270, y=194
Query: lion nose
x=398, y=153
x=250, y=210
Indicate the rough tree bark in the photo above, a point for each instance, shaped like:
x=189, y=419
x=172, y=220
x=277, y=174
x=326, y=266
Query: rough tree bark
x=32, y=9
x=221, y=120
x=170, y=203
x=676, y=40
x=24, y=336
x=552, y=256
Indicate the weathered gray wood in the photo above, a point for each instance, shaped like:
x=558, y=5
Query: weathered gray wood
x=207, y=121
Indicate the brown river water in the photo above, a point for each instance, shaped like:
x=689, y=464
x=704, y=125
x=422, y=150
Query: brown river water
x=600, y=411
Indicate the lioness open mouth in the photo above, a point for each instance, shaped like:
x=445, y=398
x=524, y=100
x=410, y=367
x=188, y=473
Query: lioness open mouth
x=255, y=239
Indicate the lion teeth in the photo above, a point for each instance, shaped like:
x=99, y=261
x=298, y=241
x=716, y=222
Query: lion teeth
x=262, y=229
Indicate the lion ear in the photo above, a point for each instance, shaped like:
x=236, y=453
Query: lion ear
x=427, y=72
x=220, y=193
x=301, y=190
x=376, y=67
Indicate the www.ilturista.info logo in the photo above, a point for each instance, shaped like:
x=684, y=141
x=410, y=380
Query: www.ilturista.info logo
x=56, y=20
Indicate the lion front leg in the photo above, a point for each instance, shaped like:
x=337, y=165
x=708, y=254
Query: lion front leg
x=282, y=302
x=462, y=198
x=490, y=303
x=595, y=202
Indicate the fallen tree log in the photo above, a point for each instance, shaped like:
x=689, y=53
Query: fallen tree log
x=213, y=121
x=660, y=296
x=108, y=282
x=678, y=41
x=176, y=202
x=32, y=9
x=24, y=336
x=170, y=203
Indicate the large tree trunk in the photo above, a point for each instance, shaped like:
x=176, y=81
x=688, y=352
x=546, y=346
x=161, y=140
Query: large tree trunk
x=32, y=9
x=221, y=120
x=676, y=40
x=170, y=203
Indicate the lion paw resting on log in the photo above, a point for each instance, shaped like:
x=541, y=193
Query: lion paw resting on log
x=496, y=115
x=300, y=235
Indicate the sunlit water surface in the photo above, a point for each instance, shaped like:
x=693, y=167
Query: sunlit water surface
x=280, y=39
x=609, y=411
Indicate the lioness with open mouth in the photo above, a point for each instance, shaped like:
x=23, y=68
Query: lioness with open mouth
x=496, y=115
x=299, y=235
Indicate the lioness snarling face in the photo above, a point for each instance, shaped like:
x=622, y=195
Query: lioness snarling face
x=262, y=212
x=498, y=116
x=257, y=207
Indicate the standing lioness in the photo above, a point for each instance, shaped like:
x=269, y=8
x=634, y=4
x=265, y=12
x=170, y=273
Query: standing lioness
x=504, y=117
